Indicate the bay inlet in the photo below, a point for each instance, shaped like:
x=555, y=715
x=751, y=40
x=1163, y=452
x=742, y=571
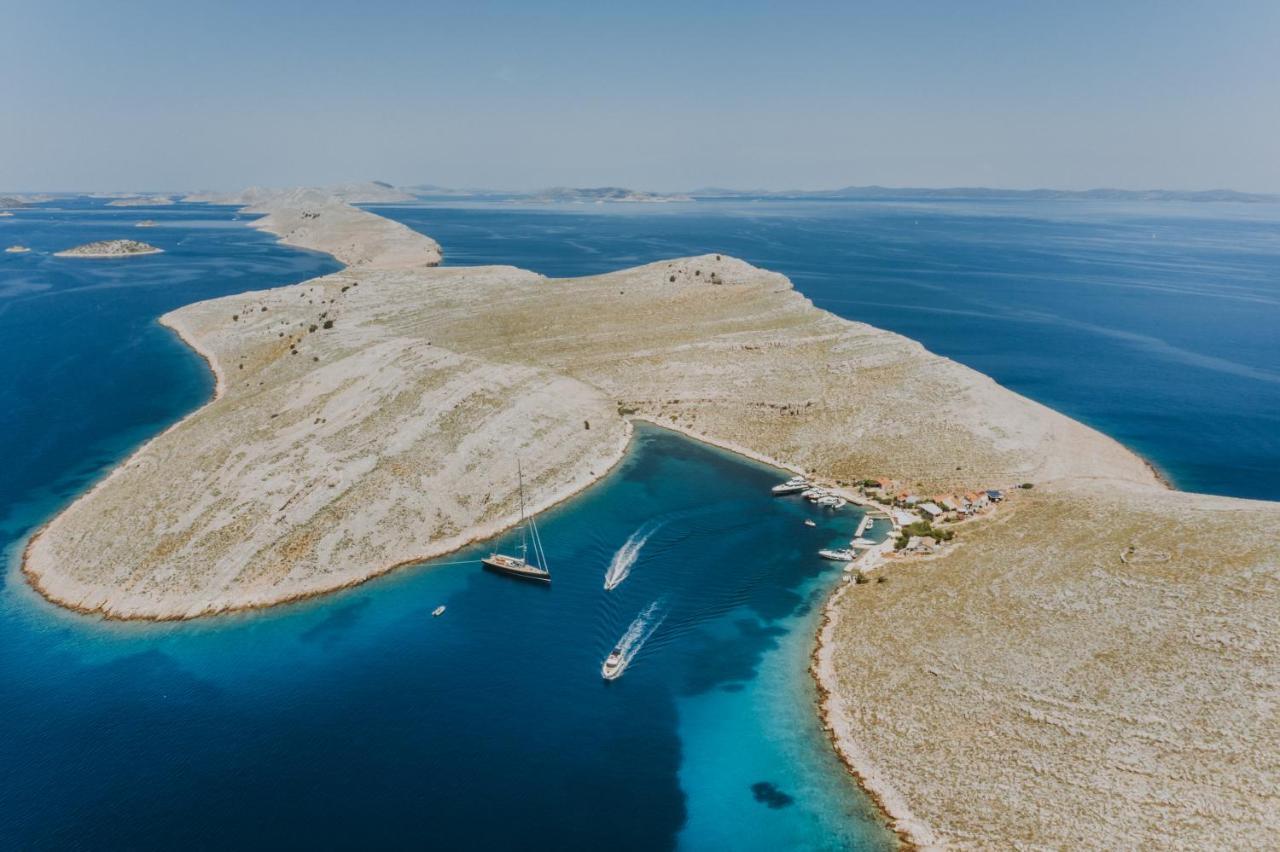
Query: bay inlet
x=357, y=717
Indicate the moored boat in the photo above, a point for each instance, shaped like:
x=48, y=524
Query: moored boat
x=521, y=566
x=837, y=554
x=794, y=485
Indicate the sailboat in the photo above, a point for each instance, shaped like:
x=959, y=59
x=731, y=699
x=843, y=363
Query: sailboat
x=521, y=566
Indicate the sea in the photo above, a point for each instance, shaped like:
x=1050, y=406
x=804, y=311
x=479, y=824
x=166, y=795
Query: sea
x=360, y=719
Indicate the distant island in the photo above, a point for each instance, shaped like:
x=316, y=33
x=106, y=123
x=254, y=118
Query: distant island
x=368, y=192
x=598, y=195
x=110, y=248
x=848, y=193
x=146, y=223
x=886, y=193
x=381, y=192
x=142, y=201
x=23, y=200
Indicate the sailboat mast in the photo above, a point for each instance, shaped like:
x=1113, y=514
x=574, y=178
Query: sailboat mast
x=524, y=527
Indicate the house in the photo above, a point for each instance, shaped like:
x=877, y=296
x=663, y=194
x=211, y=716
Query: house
x=948, y=503
x=911, y=499
x=933, y=510
x=903, y=518
x=921, y=544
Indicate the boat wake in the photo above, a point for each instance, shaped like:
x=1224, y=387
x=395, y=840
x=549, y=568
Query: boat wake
x=620, y=565
x=648, y=621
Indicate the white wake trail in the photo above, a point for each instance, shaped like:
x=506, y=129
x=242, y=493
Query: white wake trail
x=620, y=566
x=638, y=633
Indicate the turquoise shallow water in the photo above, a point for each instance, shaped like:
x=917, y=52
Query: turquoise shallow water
x=358, y=719
x=1156, y=323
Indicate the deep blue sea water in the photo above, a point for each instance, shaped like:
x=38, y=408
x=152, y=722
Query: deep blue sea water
x=1156, y=323
x=358, y=719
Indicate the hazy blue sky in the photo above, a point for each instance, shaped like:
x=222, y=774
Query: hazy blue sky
x=168, y=95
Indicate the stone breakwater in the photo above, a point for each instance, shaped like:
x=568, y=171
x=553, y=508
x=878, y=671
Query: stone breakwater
x=373, y=417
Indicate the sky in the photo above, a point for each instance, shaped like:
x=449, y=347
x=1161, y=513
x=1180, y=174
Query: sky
x=122, y=95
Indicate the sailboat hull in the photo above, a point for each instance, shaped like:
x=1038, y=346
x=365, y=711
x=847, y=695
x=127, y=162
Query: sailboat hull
x=514, y=567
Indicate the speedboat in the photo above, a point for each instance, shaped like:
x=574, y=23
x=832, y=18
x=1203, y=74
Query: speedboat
x=438, y=611
x=809, y=522
x=841, y=554
x=613, y=665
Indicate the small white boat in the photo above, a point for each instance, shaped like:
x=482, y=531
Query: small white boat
x=791, y=486
x=613, y=666
x=438, y=611
x=842, y=554
x=809, y=523
x=861, y=542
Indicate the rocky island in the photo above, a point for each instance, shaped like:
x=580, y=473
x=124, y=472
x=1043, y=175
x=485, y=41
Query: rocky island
x=599, y=195
x=110, y=248
x=142, y=201
x=1096, y=659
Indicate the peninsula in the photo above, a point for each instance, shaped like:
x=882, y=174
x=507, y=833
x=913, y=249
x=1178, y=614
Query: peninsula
x=110, y=248
x=1096, y=661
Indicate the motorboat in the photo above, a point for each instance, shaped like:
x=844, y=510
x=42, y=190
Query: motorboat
x=613, y=664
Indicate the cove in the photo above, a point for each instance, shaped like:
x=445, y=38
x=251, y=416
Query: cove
x=357, y=718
